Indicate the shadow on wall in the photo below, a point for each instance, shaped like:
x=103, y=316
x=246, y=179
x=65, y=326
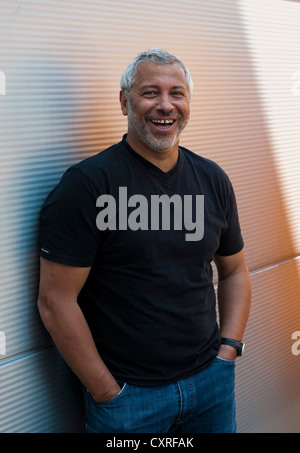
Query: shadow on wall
x=229, y=125
x=56, y=120
x=52, y=133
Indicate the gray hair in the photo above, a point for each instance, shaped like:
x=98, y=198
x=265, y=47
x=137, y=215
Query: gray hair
x=158, y=56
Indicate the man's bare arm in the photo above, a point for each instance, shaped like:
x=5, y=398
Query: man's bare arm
x=64, y=320
x=234, y=298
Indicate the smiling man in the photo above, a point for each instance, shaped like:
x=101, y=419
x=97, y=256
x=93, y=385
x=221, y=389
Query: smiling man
x=126, y=290
x=158, y=109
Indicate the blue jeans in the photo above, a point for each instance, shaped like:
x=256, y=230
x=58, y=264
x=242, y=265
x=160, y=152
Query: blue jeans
x=203, y=403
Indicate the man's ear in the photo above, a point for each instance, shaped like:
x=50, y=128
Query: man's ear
x=123, y=102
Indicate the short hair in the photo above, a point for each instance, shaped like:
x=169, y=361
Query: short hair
x=158, y=56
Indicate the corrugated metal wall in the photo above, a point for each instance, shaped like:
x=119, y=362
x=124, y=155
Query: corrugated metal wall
x=60, y=65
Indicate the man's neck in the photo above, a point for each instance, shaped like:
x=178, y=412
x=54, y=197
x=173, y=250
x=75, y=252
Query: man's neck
x=164, y=160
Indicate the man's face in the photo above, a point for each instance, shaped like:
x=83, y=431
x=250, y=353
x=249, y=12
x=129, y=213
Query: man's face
x=158, y=107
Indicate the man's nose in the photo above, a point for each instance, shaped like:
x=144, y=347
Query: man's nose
x=164, y=103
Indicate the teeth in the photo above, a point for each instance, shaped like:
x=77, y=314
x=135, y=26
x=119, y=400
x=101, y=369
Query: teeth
x=163, y=121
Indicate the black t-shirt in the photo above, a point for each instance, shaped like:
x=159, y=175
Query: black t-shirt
x=149, y=237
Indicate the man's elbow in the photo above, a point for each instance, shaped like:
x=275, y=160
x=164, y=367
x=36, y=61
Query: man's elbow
x=46, y=308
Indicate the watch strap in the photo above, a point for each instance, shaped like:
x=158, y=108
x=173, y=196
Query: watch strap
x=235, y=344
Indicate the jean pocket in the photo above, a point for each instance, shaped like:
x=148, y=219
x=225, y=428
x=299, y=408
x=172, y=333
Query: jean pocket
x=231, y=362
x=116, y=397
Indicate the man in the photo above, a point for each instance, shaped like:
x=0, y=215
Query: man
x=126, y=292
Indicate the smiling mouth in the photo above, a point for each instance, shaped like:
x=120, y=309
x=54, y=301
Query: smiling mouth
x=164, y=124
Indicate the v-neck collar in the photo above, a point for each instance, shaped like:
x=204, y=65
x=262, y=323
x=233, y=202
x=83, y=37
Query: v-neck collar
x=165, y=176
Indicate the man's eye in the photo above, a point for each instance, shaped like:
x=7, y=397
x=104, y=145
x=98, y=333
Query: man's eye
x=150, y=93
x=177, y=93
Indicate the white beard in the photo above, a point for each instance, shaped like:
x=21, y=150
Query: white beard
x=156, y=143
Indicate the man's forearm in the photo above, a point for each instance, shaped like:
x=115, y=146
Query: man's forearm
x=234, y=299
x=71, y=334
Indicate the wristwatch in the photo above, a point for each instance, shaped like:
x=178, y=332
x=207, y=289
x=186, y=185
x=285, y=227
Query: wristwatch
x=235, y=344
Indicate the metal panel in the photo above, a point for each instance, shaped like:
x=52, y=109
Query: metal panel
x=38, y=394
x=267, y=390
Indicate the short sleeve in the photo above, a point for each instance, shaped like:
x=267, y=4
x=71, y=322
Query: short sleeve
x=231, y=240
x=68, y=230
